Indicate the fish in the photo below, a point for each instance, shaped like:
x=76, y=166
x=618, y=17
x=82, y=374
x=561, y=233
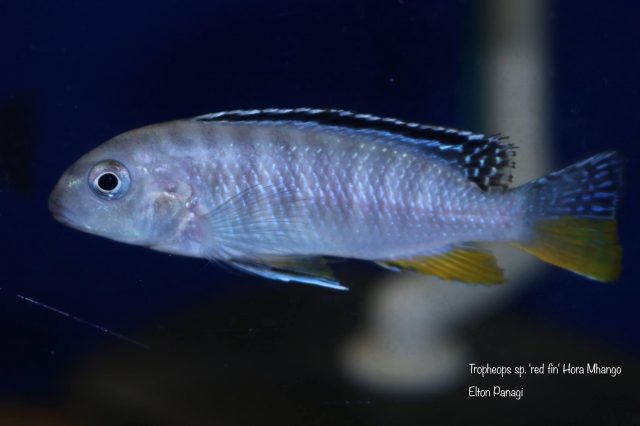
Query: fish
x=286, y=193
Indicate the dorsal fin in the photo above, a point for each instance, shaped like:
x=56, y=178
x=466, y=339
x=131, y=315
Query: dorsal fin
x=485, y=159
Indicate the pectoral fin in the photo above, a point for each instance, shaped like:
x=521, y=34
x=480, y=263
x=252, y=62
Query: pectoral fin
x=261, y=218
x=314, y=271
x=467, y=264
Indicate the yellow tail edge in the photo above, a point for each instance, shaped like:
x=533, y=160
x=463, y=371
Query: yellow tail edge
x=586, y=246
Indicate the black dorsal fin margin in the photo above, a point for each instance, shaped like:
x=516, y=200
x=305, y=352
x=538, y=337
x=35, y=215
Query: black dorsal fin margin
x=486, y=160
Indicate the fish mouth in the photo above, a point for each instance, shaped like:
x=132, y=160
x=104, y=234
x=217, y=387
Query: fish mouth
x=54, y=207
x=64, y=220
x=58, y=212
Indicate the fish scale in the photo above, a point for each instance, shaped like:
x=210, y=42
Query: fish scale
x=369, y=198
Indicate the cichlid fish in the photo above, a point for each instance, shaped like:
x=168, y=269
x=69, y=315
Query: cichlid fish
x=282, y=192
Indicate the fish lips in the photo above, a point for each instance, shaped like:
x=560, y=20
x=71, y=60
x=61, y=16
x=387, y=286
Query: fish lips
x=58, y=211
x=59, y=208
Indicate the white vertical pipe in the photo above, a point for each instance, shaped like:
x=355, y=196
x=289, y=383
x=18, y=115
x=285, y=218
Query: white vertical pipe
x=407, y=344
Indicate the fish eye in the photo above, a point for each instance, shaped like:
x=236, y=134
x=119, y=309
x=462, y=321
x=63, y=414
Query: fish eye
x=109, y=179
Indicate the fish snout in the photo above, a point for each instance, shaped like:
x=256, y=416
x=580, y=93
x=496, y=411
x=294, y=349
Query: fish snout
x=57, y=206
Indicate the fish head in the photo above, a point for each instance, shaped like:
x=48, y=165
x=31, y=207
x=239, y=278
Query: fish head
x=126, y=190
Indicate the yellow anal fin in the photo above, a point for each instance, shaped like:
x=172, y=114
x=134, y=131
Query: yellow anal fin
x=465, y=264
x=587, y=247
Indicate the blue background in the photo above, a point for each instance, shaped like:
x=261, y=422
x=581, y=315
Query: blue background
x=77, y=73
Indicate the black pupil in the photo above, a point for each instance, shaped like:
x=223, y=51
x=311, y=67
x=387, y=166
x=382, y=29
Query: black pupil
x=108, y=182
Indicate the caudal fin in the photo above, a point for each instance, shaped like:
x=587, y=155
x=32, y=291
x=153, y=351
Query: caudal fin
x=572, y=216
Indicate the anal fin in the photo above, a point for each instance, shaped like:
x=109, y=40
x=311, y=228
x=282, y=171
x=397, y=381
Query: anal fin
x=467, y=264
x=314, y=270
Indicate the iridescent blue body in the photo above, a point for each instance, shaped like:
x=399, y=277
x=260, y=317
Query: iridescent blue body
x=273, y=191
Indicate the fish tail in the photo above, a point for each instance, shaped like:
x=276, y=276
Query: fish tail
x=571, y=217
